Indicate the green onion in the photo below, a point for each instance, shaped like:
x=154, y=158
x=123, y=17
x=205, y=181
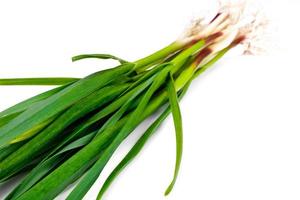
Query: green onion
x=72, y=131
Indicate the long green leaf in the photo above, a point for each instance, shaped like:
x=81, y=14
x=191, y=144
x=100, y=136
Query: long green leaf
x=34, y=176
x=41, y=142
x=81, y=189
x=60, y=178
x=178, y=129
x=136, y=149
x=6, y=151
x=115, y=117
x=58, y=102
x=47, y=166
x=98, y=56
x=54, y=183
x=33, y=131
x=83, y=186
x=88, y=180
x=38, y=81
x=4, y=120
x=29, y=102
x=108, y=110
x=133, y=152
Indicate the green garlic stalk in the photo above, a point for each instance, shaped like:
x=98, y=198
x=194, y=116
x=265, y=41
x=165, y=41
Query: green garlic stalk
x=73, y=130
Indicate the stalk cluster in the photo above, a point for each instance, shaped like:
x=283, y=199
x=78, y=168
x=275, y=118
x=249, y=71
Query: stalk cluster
x=73, y=130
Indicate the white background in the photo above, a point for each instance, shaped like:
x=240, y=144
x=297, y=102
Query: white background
x=241, y=118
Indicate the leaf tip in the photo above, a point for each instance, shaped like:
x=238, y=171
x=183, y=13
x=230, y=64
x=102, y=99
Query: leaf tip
x=74, y=58
x=169, y=189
